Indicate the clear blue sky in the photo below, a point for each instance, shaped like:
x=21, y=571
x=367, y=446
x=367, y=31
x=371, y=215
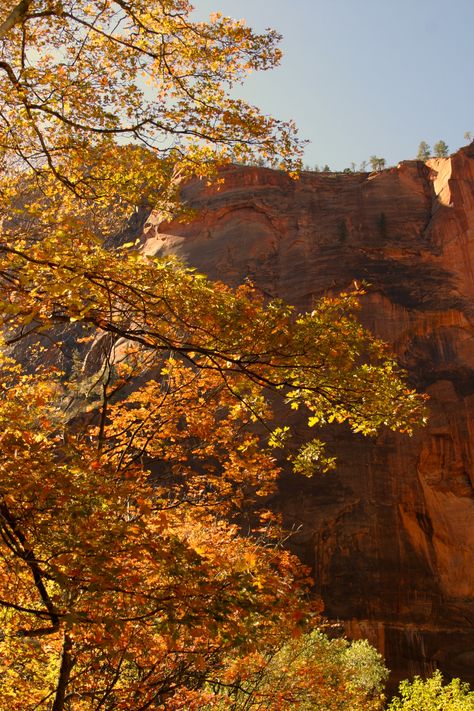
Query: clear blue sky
x=364, y=77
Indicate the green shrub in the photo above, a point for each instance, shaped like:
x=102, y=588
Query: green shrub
x=432, y=695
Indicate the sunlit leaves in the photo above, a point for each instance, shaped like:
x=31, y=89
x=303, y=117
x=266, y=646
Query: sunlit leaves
x=77, y=77
x=126, y=480
x=432, y=693
x=312, y=459
x=147, y=583
x=307, y=673
x=323, y=361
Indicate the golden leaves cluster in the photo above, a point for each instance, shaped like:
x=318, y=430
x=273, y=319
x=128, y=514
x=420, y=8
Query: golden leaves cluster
x=88, y=88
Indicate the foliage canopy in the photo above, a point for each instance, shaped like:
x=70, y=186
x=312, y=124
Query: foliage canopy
x=125, y=581
x=432, y=695
x=309, y=673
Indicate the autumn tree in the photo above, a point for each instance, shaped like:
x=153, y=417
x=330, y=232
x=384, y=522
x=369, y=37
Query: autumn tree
x=122, y=584
x=284, y=680
x=118, y=591
x=75, y=78
x=124, y=483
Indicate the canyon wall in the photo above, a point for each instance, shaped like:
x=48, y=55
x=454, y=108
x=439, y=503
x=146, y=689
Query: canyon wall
x=390, y=534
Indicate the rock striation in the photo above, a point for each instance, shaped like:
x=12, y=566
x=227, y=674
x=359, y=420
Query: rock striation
x=390, y=535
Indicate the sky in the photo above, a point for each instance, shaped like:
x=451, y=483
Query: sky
x=365, y=77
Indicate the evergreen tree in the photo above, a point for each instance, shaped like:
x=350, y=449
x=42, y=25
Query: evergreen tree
x=377, y=163
x=441, y=149
x=373, y=160
x=424, y=151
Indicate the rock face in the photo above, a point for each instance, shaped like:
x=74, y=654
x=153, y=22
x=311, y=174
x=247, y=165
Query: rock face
x=390, y=535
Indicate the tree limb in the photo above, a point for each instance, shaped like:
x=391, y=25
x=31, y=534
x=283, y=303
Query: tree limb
x=15, y=17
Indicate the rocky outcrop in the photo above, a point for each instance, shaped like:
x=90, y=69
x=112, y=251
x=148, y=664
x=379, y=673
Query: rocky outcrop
x=390, y=535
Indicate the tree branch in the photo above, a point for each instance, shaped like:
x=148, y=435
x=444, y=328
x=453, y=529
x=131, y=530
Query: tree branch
x=27, y=554
x=15, y=17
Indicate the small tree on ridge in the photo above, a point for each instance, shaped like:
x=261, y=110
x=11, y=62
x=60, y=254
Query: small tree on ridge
x=441, y=149
x=424, y=151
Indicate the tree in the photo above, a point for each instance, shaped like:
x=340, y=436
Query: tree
x=441, y=150
x=432, y=694
x=76, y=80
x=119, y=590
x=125, y=582
x=468, y=136
x=309, y=673
x=424, y=151
x=377, y=163
x=116, y=592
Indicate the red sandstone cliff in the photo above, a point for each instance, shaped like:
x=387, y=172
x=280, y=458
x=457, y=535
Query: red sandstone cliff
x=391, y=534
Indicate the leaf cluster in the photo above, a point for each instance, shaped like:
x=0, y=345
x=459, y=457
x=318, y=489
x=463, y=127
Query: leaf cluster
x=311, y=672
x=88, y=88
x=141, y=591
x=433, y=695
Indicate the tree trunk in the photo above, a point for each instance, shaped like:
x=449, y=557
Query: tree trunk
x=67, y=662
